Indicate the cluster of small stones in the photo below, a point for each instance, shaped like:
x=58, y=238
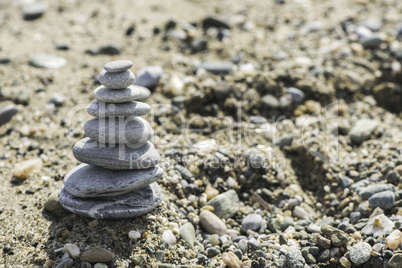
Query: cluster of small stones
x=117, y=178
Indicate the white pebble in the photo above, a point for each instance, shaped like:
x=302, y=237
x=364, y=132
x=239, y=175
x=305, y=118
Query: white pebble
x=168, y=237
x=72, y=250
x=175, y=86
x=134, y=235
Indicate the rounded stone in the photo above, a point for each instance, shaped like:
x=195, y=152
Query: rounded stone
x=118, y=66
x=384, y=200
x=97, y=255
x=360, y=253
x=104, y=109
x=116, y=130
x=116, y=80
x=251, y=222
x=127, y=94
x=144, y=92
x=121, y=156
x=92, y=181
x=211, y=223
x=130, y=205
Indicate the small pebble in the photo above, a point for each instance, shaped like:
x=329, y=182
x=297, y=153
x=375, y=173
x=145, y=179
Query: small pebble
x=149, y=76
x=360, y=253
x=168, y=238
x=97, y=255
x=72, y=250
x=7, y=112
x=231, y=260
x=47, y=61
x=251, y=222
x=23, y=169
x=134, y=235
x=211, y=223
x=118, y=66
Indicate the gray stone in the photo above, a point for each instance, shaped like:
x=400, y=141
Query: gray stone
x=187, y=233
x=57, y=99
x=217, y=67
x=372, y=42
x=129, y=205
x=360, y=253
x=384, y=200
x=362, y=130
x=118, y=66
x=7, y=112
x=149, y=76
x=116, y=80
x=127, y=94
x=395, y=261
x=92, y=181
x=144, y=92
x=107, y=49
x=337, y=237
x=270, y=101
x=105, y=109
x=53, y=205
x=68, y=262
x=211, y=223
x=47, y=61
x=226, y=204
x=251, y=222
x=120, y=156
x=118, y=130
x=297, y=94
x=34, y=10
x=367, y=192
x=373, y=24
x=243, y=245
x=294, y=259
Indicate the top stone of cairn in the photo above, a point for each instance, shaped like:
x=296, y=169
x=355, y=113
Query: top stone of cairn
x=118, y=66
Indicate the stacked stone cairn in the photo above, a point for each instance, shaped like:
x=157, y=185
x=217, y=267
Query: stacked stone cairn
x=117, y=177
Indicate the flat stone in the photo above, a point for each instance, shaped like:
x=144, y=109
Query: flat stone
x=187, y=233
x=367, y=192
x=116, y=130
x=129, y=205
x=107, y=49
x=144, y=92
x=97, y=255
x=362, y=130
x=372, y=42
x=360, y=253
x=127, y=94
x=47, y=61
x=226, y=204
x=211, y=223
x=217, y=67
x=118, y=66
x=105, y=109
x=116, y=80
x=7, y=112
x=122, y=156
x=92, y=181
x=384, y=200
x=270, y=101
x=34, y=10
x=149, y=76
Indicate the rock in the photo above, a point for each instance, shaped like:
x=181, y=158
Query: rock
x=211, y=223
x=139, y=260
x=217, y=67
x=5, y=60
x=212, y=252
x=68, y=262
x=168, y=238
x=270, y=101
x=111, y=130
x=34, y=10
x=384, y=200
x=57, y=99
x=108, y=49
x=209, y=22
x=118, y=66
x=116, y=80
x=128, y=94
x=388, y=95
x=251, y=222
x=297, y=94
x=97, y=255
x=372, y=42
x=394, y=239
x=7, y=112
x=360, y=253
x=100, y=265
x=53, y=205
x=373, y=24
x=134, y=235
x=175, y=86
x=231, y=260
x=184, y=172
x=47, y=61
x=362, y=130
x=144, y=92
x=123, y=156
x=129, y=205
x=294, y=259
x=126, y=109
x=93, y=181
x=395, y=261
x=149, y=76
x=72, y=250
x=23, y=169
x=187, y=233
x=226, y=204
x=367, y=192
x=337, y=237
x=363, y=32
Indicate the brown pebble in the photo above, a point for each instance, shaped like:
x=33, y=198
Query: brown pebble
x=25, y=168
x=231, y=260
x=211, y=223
x=97, y=255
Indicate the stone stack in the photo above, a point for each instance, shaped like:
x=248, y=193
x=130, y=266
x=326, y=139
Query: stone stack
x=118, y=176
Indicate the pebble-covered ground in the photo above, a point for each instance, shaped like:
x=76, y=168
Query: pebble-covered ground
x=279, y=124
